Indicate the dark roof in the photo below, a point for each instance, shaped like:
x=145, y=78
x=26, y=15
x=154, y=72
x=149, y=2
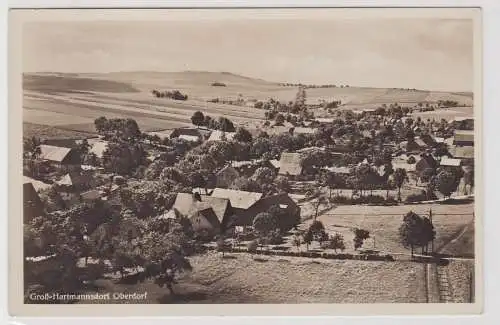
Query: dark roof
x=463, y=136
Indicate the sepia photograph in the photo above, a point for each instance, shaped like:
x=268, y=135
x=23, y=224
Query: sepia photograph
x=248, y=156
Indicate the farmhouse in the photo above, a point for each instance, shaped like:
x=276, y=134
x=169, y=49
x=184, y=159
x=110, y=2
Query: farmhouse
x=246, y=205
x=426, y=161
x=59, y=155
x=188, y=134
x=463, y=138
x=74, y=182
x=290, y=164
x=188, y=204
x=33, y=206
x=165, y=134
x=217, y=135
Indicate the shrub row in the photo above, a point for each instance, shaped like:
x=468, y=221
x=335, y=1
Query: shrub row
x=330, y=256
x=369, y=199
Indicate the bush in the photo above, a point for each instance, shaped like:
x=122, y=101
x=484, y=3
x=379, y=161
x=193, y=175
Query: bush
x=218, y=84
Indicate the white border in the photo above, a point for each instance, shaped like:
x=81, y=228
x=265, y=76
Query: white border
x=491, y=117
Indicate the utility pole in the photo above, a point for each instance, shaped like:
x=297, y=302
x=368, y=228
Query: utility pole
x=430, y=219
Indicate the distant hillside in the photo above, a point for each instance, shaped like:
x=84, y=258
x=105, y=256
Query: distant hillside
x=198, y=86
x=72, y=83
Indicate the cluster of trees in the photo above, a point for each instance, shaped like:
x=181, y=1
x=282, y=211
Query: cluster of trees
x=174, y=94
x=239, y=101
x=311, y=85
x=218, y=84
x=222, y=123
x=416, y=231
x=447, y=103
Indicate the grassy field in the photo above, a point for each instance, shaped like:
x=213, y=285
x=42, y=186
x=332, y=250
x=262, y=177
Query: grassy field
x=240, y=279
x=383, y=223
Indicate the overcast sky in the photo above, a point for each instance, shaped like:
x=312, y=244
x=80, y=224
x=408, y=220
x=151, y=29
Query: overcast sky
x=409, y=53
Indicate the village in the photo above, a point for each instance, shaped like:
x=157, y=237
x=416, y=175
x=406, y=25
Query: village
x=140, y=204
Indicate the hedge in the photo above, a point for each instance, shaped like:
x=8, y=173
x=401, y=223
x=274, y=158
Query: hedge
x=324, y=255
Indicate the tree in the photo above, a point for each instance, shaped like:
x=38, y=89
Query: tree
x=282, y=184
x=307, y=238
x=280, y=119
x=243, y=135
x=123, y=158
x=264, y=223
x=297, y=241
x=198, y=118
x=415, y=231
x=400, y=177
x=225, y=125
x=469, y=180
x=31, y=148
x=337, y=242
x=446, y=182
x=359, y=237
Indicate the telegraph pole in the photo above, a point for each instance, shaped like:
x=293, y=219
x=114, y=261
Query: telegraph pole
x=432, y=241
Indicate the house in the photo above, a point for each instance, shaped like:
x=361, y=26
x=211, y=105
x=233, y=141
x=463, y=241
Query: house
x=32, y=204
x=201, y=210
x=59, y=155
x=226, y=176
x=450, y=162
x=165, y=134
x=75, y=181
x=426, y=161
x=275, y=163
x=325, y=120
x=290, y=164
x=246, y=205
x=463, y=138
x=218, y=135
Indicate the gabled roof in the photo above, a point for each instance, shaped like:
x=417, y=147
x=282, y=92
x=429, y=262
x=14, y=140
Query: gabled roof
x=53, y=153
x=209, y=214
x=445, y=161
x=165, y=134
x=290, y=163
x=219, y=205
x=91, y=195
x=238, y=199
x=191, y=138
x=217, y=135
x=184, y=203
x=339, y=170
x=37, y=185
x=72, y=179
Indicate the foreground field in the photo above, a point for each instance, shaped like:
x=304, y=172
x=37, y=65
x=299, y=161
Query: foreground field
x=240, y=279
x=450, y=221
